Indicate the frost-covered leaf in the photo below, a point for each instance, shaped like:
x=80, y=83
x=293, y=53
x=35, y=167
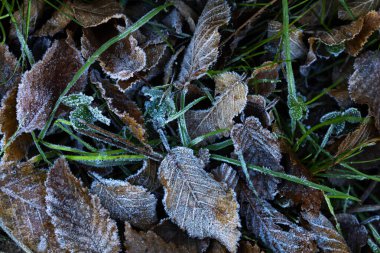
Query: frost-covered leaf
x=41, y=86
x=146, y=176
x=261, y=148
x=257, y=107
x=22, y=206
x=273, y=229
x=195, y=201
x=202, y=51
x=58, y=21
x=126, y=202
x=264, y=78
x=356, y=235
x=358, y=8
x=148, y=242
x=364, y=82
x=327, y=238
x=226, y=174
x=77, y=99
x=226, y=106
x=126, y=109
x=120, y=61
x=81, y=224
x=9, y=70
x=171, y=233
x=17, y=150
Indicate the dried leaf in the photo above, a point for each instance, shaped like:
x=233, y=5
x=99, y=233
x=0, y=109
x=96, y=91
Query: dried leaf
x=364, y=82
x=173, y=234
x=259, y=147
x=146, y=176
x=58, y=21
x=257, y=107
x=18, y=149
x=358, y=8
x=94, y=13
x=273, y=228
x=328, y=239
x=226, y=174
x=202, y=51
x=41, y=86
x=248, y=247
x=81, y=223
x=216, y=247
x=22, y=206
x=123, y=59
x=9, y=70
x=226, y=106
x=264, y=78
x=149, y=242
x=118, y=103
x=195, y=201
x=126, y=202
x=356, y=235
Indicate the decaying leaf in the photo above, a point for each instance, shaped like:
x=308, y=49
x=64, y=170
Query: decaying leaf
x=22, y=206
x=226, y=174
x=9, y=70
x=17, y=150
x=146, y=176
x=364, y=82
x=171, y=233
x=327, y=238
x=258, y=107
x=41, y=86
x=227, y=105
x=259, y=147
x=202, y=51
x=123, y=59
x=248, y=247
x=356, y=235
x=358, y=8
x=272, y=227
x=126, y=202
x=81, y=224
x=124, y=108
x=196, y=202
x=58, y=21
x=264, y=78
x=148, y=242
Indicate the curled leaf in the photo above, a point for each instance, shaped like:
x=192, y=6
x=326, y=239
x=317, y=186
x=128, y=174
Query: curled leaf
x=202, y=51
x=364, y=82
x=146, y=176
x=227, y=105
x=196, y=202
x=74, y=212
x=41, y=86
x=126, y=202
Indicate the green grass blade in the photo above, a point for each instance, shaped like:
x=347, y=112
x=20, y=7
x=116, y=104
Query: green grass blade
x=184, y=110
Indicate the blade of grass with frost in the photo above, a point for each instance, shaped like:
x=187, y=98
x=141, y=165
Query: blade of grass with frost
x=184, y=134
x=201, y=138
x=139, y=23
x=105, y=160
x=42, y=153
x=184, y=110
x=220, y=145
x=335, y=193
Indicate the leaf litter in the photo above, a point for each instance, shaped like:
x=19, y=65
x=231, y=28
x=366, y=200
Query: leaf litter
x=179, y=136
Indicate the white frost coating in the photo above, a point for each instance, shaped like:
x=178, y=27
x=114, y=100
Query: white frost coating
x=196, y=202
x=42, y=246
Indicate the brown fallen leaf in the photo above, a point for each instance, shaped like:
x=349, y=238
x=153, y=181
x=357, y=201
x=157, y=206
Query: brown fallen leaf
x=202, y=51
x=126, y=202
x=264, y=78
x=41, y=86
x=127, y=110
x=148, y=242
x=257, y=107
x=81, y=224
x=18, y=149
x=9, y=70
x=196, y=202
x=358, y=8
x=226, y=174
x=226, y=106
x=356, y=235
x=22, y=207
x=58, y=21
x=273, y=229
x=364, y=83
x=259, y=147
x=327, y=238
x=146, y=176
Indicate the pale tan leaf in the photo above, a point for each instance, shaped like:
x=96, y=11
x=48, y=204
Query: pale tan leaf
x=273, y=229
x=41, y=86
x=124, y=108
x=327, y=238
x=81, y=224
x=22, y=206
x=17, y=150
x=146, y=176
x=148, y=242
x=9, y=70
x=261, y=148
x=226, y=106
x=123, y=59
x=196, y=202
x=126, y=202
x=358, y=8
x=202, y=51
x=364, y=82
